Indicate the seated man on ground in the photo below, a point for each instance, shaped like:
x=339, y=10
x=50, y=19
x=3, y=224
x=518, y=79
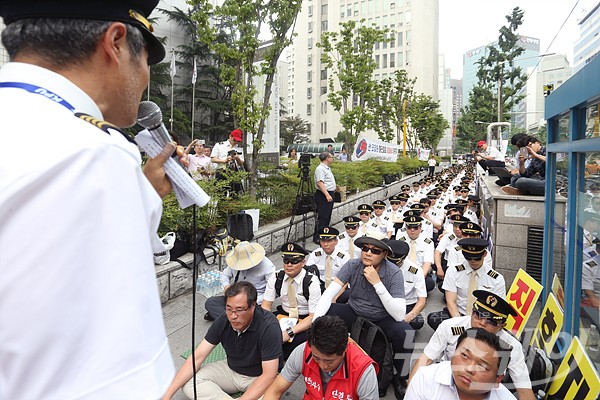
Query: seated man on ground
x=474, y=372
x=376, y=289
x=328, y=258
x=299, y=291
x=414, y=283
x=346, y=239
x=251, y=338
x=490, y=312
x=532, y=178
x=331, y=364
x=246, y=262
x=489, y=157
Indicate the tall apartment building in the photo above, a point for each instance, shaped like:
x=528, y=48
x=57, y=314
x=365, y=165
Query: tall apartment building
x=587, y=47
x=529, y=58
x=445, y=144
x=415, y=29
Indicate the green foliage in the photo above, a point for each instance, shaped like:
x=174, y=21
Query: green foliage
x=427, y=121
x=294, y=130
x=395, y=95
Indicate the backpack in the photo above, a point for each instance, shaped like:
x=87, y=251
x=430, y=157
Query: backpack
x=541, y=370
x=373, y=341
x=240, y=226
x=310, y=271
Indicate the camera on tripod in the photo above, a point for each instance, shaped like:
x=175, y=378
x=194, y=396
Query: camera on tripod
x=304, y=161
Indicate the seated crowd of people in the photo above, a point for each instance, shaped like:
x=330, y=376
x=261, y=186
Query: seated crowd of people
x=381, y=269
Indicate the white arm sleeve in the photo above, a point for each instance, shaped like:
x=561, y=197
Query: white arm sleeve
x=326, y=299
x=396, y=307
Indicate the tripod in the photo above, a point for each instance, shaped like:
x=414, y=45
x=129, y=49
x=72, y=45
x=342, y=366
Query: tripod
x=304, y=203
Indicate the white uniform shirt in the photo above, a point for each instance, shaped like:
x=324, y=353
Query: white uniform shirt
x=257, y=275
x=446, y=243
x=591, y=271
x=435, y=382
x=380, y=224
x=318, y=257
x=305, y=307
x=414, y=282
x=472, y=216
x=442, y=345
x=424, y=248
x=90, y=324
x=455, y=257
x=363, y=227
x=344, y=244
x=221, y=149
x=457, y=280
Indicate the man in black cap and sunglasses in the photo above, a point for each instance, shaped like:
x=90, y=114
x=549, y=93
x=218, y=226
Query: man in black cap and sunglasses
x=346, y=240
x=77, y=73
x=376, y=288
x=490, y=312
x=461, y=280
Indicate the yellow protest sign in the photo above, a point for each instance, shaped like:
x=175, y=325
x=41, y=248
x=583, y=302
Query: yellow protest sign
x=576, y=378
x=549, y=325
x=558, y=291
x=522, y=295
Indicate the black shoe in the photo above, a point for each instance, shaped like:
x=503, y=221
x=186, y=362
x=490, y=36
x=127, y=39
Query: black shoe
x=400, y=386
x=208, y=317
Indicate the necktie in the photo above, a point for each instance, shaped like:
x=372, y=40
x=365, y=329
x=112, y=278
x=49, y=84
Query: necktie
x=327, y=271
x=351, y=247
x=292, y=299
x=472, y=287
x=412, y=255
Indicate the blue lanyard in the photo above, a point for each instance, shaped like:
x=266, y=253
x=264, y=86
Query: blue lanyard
x=39, y=90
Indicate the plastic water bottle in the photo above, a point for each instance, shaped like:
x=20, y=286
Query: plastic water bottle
x=593, y=348
x=200, y=284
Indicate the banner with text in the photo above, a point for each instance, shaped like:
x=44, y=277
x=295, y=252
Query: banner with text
x=423, y=154
x=371, y=148
x=522, y=295
x=549, y=325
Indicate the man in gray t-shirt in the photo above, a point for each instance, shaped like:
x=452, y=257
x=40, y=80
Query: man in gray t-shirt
x=376, y=293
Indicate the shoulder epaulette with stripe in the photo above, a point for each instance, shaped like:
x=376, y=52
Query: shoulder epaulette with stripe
x=341, y=235
x=412, y=270
x=457, y=330
x=427, y=240
x=428, y=222
x=318, y=253
x=402, y=238
x=341, y=255
x=493, y=273
x=591, y=263
x=451, y=237
x=592, y=253
x=457, y=248
x=386, y=218
x=403, y=229
x=460, y=267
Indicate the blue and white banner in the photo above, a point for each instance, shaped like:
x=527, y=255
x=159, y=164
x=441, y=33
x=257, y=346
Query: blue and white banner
x=423, y=154
x=371, y=148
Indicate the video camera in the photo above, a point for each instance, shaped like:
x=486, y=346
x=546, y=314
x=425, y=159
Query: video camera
x=304, y=160
x=232, y=153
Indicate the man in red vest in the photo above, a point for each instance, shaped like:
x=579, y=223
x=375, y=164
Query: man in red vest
x=333, y=366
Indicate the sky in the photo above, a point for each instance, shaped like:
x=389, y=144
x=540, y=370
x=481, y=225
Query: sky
x=468, y=24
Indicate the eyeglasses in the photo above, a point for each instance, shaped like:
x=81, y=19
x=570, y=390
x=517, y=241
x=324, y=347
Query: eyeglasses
x=379, y=207
x=484, y=317
x=374, y=250
x=237, y=311
x=351, y=226
x=412, y=227
x=293, y=261
x=365, y=212
x=473, y=258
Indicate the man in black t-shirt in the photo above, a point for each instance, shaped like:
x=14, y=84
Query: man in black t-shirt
x=251, y=338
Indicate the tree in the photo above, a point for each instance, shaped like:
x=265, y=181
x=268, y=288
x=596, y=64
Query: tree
x=243, y=21
x=395, y=95
x=497, y=68
x=426, y=120
x=471, y=124
x=294, y=130
x=353, y=92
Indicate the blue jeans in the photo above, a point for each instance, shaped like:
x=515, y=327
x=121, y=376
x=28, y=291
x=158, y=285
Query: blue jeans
x=534, y=185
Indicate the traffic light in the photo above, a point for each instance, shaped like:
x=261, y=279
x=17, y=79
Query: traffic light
x=548, y=89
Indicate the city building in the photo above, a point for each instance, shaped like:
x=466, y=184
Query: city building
x=445, y=146
x=414, y=25
x=457, y=104
x=588, y=45
x=529, y=58
x=552, y=72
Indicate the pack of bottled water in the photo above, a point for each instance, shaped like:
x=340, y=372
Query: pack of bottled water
x=208, y=283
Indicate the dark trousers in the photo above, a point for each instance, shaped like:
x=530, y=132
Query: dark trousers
x=431, y=171
x=418, y=321
x=488, y=164
x=215, y=306
x=324, y=210
x=299, y=337
x=399, y=333
x=429, y=283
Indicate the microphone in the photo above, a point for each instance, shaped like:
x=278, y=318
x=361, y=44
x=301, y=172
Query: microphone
x=150, y=117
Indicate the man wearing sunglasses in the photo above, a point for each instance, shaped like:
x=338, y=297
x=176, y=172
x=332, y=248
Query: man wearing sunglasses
x=394, y=214
x=461, y=280
x=376, y=288
x=299, y=291
x=380, y=219
x=366, y=223
x=346, y=240
x=447, y=242
x=490, y=312
x=328, y=258
x=421, y=246
x=468, y=229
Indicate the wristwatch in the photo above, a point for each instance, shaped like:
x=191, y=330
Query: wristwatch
x=290, y=332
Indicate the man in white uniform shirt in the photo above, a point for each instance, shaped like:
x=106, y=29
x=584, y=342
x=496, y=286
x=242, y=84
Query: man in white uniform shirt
x=447, y=242
x=299, y=291
x=490, y=312
x=394, y=215
x=328, y=258
x=346, y=239
x=489, y=157
x=90, y=324
x=366, y=223
x=379, y=217
x=421, y=248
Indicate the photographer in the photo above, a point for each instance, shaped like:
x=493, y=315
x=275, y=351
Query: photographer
x=325, y=185
x=228, y=153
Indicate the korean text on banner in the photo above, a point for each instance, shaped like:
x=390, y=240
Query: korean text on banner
x=576, y=378
x=522, y=295
x=549, y=325
x=370, y=148
x=558, y=291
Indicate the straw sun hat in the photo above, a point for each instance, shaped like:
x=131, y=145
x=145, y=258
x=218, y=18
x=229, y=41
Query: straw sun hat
x=245, y=256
